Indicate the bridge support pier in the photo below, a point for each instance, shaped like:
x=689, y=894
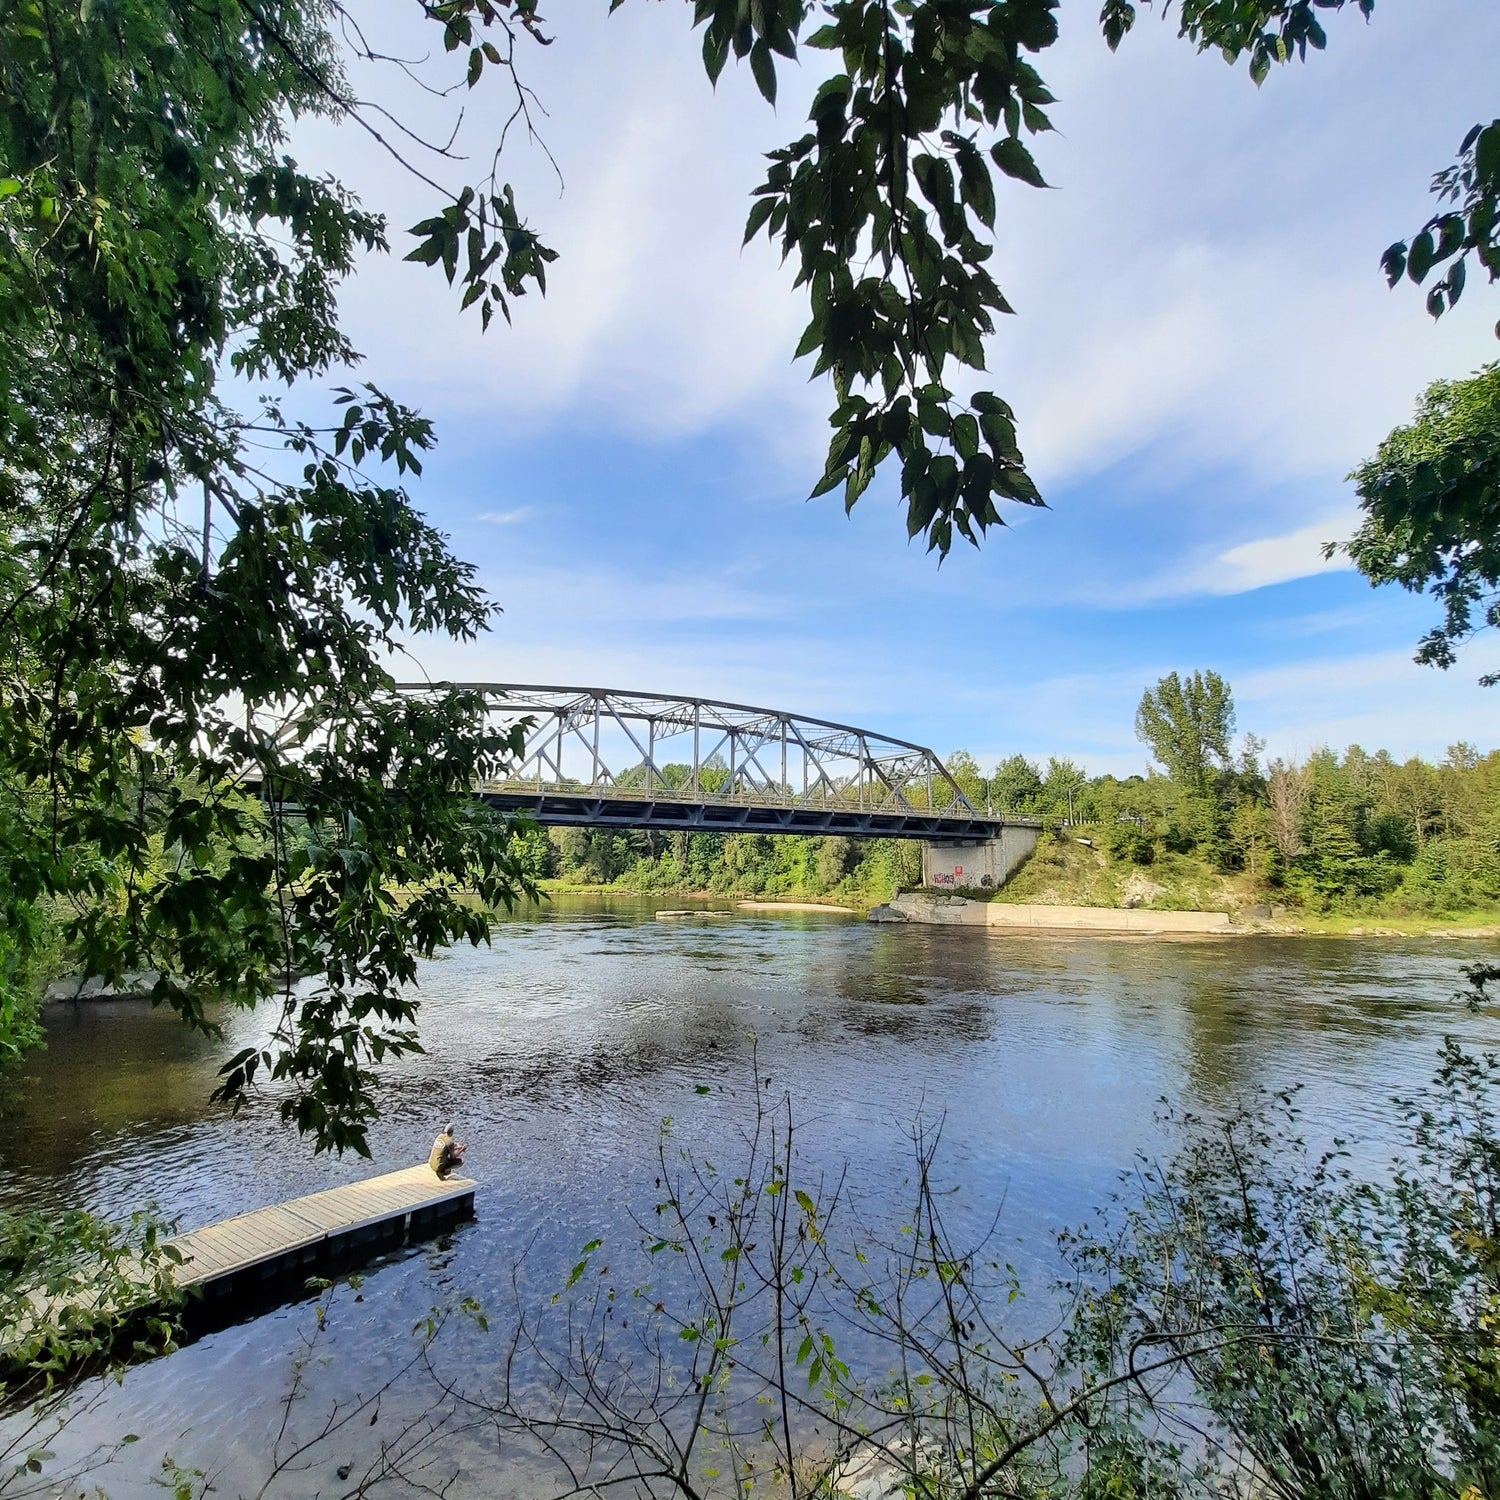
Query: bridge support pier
x=978, y=864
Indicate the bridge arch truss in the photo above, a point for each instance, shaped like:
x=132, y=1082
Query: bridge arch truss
x=597, y=757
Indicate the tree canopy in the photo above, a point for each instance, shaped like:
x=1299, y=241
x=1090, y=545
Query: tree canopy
x=202, y=756
x=1431, y=501
x=1188, y=725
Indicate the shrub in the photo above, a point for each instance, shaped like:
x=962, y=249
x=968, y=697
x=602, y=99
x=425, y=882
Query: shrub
x=1131, y=843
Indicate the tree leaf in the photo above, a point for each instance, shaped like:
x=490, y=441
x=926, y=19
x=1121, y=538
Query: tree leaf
x=1012, y=157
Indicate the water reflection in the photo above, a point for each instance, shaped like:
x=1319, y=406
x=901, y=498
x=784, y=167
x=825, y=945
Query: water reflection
x=561, y=1049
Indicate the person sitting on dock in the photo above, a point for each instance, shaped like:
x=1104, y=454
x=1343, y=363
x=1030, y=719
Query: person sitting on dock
x=447, y=1153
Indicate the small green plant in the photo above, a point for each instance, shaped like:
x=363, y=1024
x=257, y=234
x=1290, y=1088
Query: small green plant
x=77, y=1291
x=1131, y=843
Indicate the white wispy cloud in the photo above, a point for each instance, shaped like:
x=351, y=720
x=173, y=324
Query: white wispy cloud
x=1381, y=700
x=1240, y=321
x=1239, y=569
x=618, y=601
x=506, y=517
x=1279, y=559
x=655, y=321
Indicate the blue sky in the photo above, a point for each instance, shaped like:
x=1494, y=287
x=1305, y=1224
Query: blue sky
x=1204, y=348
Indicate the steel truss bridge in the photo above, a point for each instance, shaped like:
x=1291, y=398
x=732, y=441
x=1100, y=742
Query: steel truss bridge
x=598, y=758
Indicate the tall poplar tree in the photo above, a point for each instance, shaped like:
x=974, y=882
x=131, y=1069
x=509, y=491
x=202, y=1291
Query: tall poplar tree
x=1188, y=725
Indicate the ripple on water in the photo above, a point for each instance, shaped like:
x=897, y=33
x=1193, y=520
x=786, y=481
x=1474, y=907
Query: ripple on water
x=560, y=1050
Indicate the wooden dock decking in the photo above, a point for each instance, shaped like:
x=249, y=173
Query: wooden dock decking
x=269, y=1243
x=253, y=1258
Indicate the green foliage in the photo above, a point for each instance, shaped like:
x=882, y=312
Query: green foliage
x=964, y=769
x=1130, y=842
x=1263, y=32
x=1451, y=874
x=1431, y=503
x=206, y=767
x=28, y=952
x=835, y=858
x=1434, y=1276
x=887, y=208
x=1247, y=1318
x=1356, y=833
x=1341, y=857
x=1061, y=788
x=1338, y=1331
x=76, y=1290
x=1016, y=786
x=748, y=864
x=1470, y=227
x=1188, y=725
x=1233, y=1254
x=535, y=854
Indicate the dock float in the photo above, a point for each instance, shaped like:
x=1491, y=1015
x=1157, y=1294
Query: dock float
x=245, y=1254
x=248, y=1263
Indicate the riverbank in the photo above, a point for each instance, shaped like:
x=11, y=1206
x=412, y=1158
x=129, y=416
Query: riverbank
x=957, y=911
x=843, y=904
x=1229, y=905
x=1067, y=871
x=941, y=910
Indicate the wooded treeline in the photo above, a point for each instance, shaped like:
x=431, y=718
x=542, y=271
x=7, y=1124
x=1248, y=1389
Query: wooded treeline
x=1330, y=832
x=748, y=864
x=1344, y=831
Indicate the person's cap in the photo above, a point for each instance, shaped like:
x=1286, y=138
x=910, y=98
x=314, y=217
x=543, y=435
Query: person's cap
x=448, y=1128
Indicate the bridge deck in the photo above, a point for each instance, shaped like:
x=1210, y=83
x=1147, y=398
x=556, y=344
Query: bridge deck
x=587, y=809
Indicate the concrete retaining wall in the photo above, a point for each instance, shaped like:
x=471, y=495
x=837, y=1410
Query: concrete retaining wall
x=955, y=911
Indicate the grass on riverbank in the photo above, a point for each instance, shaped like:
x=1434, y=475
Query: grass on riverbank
x=1066, y=872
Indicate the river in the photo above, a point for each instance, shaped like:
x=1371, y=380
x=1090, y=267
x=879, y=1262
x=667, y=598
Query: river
x=560, y=1050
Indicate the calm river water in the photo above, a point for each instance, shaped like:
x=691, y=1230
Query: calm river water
x=560, y=1050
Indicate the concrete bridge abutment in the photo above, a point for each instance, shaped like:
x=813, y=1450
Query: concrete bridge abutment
x=978, y=864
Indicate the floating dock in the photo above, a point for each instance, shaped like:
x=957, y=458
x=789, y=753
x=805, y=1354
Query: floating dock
x=245, y=1254
x=254, y=1259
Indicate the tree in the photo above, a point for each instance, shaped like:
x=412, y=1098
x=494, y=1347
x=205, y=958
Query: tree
x=1288, y=788
x=1063, y=782
x=206, y=763
x=835, y=858
x=964, y=769
x=1461, y=798
x=1251, y=830
x=1188, y=725
x=1016, y=785
x=1431, y=503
